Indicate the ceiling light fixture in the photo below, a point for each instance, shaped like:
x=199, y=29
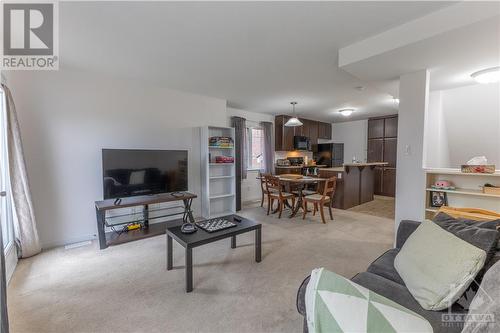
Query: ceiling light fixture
x=346, y=112
x=294, y=121
x=396, y=100
x=488, y=75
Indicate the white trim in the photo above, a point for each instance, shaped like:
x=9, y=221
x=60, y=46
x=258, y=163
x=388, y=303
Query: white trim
x=10, y=260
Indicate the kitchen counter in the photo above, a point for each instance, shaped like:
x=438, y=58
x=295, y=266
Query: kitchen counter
x=365, y=164
x=348, y=165
x=335, y=169
x=355, y=183
x=299, y=166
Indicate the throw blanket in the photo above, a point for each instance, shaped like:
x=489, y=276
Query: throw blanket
x=336, y=304
x=484, y=311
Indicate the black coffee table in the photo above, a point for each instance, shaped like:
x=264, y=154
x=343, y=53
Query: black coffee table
x=201, y=237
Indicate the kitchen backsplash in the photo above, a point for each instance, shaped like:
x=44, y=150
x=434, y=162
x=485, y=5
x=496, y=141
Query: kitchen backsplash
x=296, y=153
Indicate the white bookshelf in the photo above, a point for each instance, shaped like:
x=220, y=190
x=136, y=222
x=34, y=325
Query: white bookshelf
x=218, y=180
x=468, y=189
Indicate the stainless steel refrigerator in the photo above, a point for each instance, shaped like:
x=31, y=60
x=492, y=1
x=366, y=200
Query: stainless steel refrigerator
x=330, y=154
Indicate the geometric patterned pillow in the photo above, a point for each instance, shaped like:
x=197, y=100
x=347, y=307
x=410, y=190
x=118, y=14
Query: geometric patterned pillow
x=336, y=304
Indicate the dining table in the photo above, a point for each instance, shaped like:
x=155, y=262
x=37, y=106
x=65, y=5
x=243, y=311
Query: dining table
x=297, y=183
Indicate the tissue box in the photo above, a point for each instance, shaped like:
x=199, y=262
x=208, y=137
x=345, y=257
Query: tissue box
x=478, y=168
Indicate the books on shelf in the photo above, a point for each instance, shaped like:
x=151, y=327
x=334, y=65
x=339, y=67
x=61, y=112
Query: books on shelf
x=224, y=159
x=220, y=142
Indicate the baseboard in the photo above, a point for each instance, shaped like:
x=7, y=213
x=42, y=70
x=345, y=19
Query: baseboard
x=10, y=260
x=86, y=238
x=250, y=202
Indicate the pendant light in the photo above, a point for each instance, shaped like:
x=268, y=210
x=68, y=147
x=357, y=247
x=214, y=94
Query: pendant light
x=294, y=121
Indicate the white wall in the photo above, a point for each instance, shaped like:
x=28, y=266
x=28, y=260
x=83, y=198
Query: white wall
x=436, y=152
x=66, y=119
x=250, y=187
x=472, y=116
x=462, y=123
x=353, y=134
x=410, y=177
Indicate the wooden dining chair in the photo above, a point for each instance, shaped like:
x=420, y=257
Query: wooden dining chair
x=319, y=200
x=262, y=177
x=275, y=192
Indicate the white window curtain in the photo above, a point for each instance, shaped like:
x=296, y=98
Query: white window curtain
x=4, y=319
x=25, y=229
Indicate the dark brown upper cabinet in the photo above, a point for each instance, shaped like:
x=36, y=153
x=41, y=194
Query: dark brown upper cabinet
x=375, y=128
x=382, y=147
x=324, y=131
x=312, y=129
x=283, y=140
x=313, y=132
x=391, y=127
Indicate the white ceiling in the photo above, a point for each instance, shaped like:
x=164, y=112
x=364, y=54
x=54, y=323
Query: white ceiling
x=450, y=56
x=259, y=56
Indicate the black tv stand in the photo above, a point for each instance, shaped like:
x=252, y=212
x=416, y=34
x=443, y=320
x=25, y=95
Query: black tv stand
x=112, y=238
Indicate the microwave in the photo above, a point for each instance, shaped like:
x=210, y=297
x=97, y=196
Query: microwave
x=301, y=142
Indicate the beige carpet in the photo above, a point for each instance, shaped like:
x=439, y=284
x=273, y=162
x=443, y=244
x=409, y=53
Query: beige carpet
x=126, y=288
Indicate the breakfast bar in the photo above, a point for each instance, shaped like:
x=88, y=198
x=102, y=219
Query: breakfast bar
x=355, y=183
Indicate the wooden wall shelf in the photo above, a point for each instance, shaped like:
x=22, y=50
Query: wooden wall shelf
x=467, y=192
x=464, y=191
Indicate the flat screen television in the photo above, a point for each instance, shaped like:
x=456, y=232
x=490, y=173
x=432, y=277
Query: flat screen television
x=133, y=172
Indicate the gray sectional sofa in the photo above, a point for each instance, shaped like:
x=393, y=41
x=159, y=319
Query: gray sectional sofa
x=382, y=278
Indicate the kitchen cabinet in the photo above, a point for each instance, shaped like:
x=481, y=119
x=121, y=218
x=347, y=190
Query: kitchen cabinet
x=375, y=128
x=284, y=135
x=390, y=151
x=377, y=180
x=278, y=132
x=382, y=146
x=389, y=182
x=304, y=129
x=355, y=184
x=375, y=150
x=324, y=131
x=391, y=127
x=312, y=129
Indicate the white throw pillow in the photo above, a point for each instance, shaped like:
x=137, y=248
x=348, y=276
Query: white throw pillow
x=437, y=266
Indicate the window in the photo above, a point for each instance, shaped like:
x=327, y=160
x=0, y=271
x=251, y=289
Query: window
x=255, y=148
x=5, y=202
